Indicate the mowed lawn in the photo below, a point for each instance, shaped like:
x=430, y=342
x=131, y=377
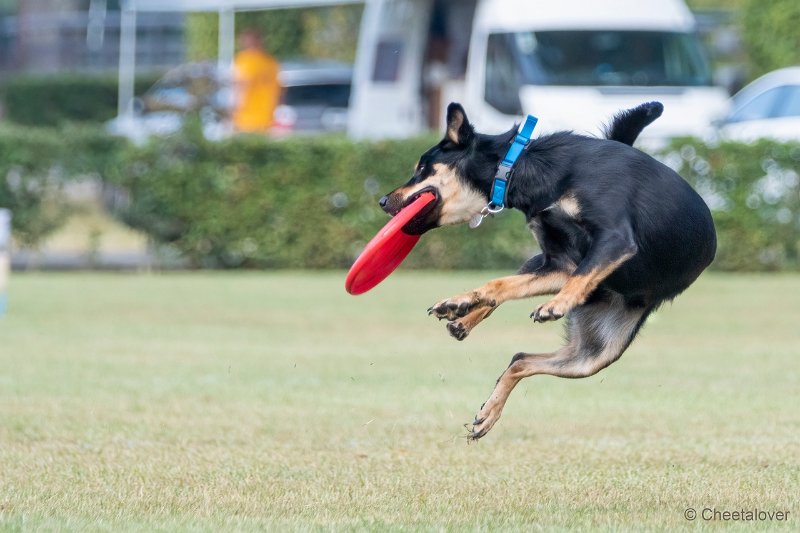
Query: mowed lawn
x=275, y=401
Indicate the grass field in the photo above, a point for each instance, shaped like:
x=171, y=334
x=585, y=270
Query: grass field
x=277, y=402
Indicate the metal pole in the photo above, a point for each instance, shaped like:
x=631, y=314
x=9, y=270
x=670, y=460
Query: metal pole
x=5, y=257
x=365, y=62
x=225, y=44
x=127, y=60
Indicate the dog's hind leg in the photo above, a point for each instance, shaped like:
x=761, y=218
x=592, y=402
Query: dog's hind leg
x=597, y=334
x=610, y=249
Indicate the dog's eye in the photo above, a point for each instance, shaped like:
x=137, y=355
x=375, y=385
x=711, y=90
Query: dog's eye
x=420, y=169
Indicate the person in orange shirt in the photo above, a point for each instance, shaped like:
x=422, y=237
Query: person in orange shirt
x=257, y=84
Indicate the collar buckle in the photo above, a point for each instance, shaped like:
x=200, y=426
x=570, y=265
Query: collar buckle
x=489, y=210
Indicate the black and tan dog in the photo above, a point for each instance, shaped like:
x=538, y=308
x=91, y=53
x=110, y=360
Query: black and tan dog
x=620, y=234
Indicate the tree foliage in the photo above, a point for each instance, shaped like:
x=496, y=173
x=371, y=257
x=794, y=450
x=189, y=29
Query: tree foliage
x=771, y=34
x=329, y=33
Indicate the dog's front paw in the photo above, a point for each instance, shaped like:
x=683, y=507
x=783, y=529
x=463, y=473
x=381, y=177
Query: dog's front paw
x=460, y=328
x=457, y=306
x=552, y=310
x=457, y=330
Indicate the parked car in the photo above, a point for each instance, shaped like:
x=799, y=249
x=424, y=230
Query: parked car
x=768, y=107
x=315, y=98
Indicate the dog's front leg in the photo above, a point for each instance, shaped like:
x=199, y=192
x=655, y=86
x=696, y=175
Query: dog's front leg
x=467, y=310
x=611, y=249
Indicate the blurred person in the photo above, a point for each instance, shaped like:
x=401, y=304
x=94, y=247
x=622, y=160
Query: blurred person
x=256, y=83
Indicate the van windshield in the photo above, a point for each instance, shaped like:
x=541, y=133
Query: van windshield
x=606, y=57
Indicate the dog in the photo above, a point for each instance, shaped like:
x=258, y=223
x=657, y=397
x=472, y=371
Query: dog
x=620, y=234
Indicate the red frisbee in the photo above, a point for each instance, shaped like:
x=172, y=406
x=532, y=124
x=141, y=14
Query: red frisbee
x=386, y=250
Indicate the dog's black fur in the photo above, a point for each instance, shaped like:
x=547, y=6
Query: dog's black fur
x=620, y=233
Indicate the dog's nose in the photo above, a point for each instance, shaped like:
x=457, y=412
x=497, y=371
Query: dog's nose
x=383, y=201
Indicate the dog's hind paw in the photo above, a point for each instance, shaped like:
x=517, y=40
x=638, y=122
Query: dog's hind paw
x=552, y=310
x=484, y=421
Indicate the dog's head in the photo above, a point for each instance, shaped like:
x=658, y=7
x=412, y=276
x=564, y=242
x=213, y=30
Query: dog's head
x=455, y=170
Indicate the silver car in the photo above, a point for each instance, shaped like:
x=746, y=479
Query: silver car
x=769, y=107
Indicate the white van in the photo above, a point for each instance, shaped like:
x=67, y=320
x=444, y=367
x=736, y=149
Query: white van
x=573, y=63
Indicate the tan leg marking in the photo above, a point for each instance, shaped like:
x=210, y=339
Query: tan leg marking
x=523, y=286
x=575, y=291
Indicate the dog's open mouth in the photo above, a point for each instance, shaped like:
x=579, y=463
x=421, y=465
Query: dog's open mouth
x=421, y=223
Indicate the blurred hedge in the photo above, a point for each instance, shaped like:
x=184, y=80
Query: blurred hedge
x=55, y=99
x=293, y=203
x=753, y=191
x=311, y=202
x=36, y=164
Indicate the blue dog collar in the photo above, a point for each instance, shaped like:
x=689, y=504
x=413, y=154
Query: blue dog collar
x=506, y=166
x=504, y=172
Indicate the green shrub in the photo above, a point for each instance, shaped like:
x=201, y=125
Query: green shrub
x=754, y=193
x=311, y=202
x=36, y=163
x=55, y=99
x=293, y=203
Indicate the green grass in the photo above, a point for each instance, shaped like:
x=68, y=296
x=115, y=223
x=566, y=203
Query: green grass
x=276, y=401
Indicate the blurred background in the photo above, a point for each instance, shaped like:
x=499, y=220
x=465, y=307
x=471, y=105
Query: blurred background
x=128, y=138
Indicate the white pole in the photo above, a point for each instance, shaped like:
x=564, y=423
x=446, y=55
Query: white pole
x=225, y=44
x=127, y=60
x=365, y=62
x=5, y=257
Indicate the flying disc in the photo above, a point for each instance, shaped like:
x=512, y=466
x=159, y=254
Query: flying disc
x=386, y=250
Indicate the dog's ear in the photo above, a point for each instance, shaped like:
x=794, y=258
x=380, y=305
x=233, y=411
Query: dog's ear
x=459, y=130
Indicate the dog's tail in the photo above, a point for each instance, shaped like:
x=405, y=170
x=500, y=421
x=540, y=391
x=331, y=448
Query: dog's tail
x=628, y=124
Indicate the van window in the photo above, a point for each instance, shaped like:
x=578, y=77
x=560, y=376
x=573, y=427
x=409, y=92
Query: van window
x=610, y=57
